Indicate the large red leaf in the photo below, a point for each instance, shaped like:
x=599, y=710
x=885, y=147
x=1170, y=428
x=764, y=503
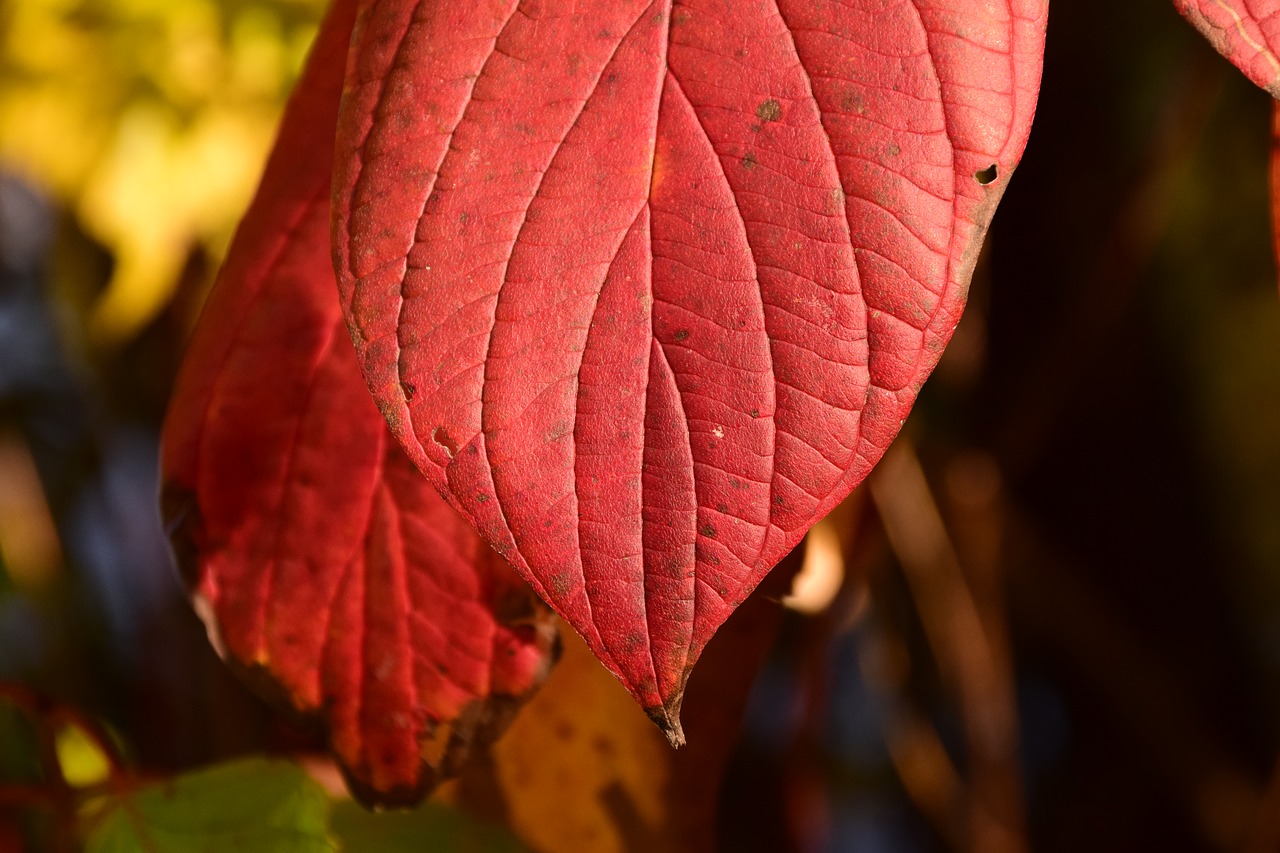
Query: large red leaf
x=324, y=563
x=648, y=287
x=1244, y=31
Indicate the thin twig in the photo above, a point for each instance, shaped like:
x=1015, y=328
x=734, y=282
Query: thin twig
x=976, y=673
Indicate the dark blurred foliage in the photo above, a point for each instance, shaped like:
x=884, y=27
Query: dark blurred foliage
x=1059, y=627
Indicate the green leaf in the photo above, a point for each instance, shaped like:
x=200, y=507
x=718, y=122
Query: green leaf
x=430, y=827
x=254, y=805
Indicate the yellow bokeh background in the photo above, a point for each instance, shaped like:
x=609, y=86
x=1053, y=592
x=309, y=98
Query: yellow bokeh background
x=149, y=121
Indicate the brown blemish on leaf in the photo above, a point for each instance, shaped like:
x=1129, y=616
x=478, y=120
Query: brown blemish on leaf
x=835, y=200
x=749, y=162
x=769, y=110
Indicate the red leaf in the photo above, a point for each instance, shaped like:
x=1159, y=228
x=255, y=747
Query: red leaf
x=1244, y=31
x=648, y=289
x=325, y=563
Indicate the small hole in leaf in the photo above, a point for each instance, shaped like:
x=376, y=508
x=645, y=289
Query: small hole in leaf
x=987, y=175
x=441, y=437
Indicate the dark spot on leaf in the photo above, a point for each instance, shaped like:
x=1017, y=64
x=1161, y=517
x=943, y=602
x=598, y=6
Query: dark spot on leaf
x=709, y=531
x=769, y=110
x=722, y=508
x=482, y=498
x=987, y=175
x=749, y=162
x=410, y=390
x=682, y=335
x=755, y=413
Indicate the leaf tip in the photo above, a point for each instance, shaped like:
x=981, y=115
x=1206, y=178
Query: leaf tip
x=667, y=718
x=401, y=796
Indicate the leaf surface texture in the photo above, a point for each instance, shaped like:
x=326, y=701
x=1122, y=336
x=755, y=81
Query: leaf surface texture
x=646, y=288
x=323, y=562
x=1246, y=32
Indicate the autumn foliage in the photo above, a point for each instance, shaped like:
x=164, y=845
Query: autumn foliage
x=639, y=291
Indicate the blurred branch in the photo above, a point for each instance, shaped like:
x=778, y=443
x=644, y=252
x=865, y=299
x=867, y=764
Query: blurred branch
x=919, y=757
x=976, y=669
x=30, y=797
x=53, y=793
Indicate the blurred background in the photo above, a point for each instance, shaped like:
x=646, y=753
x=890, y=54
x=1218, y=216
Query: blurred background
x=1051, y=621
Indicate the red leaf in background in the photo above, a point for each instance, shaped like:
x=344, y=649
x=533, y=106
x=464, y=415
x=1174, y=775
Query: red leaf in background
x=649, y=287
x=1244, y=31
x=327, y=565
